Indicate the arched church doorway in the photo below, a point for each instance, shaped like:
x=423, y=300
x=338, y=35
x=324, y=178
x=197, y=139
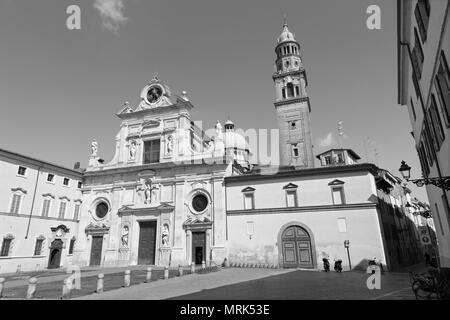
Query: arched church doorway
x=54, y=259
x=296, y=248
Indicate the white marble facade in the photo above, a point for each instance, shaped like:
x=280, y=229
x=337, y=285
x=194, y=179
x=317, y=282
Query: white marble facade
x=176, y=183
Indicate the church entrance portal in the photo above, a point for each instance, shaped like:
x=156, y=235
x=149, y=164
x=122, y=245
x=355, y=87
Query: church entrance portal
x=296, y=246
x=54, y=260
x=147, y=242
x=96, y=250
x=198, y=247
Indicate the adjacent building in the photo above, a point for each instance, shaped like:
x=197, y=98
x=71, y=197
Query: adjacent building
x=424, y=88
x=39, y=213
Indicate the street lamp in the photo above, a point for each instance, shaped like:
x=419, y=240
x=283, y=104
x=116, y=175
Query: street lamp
x=442, y=182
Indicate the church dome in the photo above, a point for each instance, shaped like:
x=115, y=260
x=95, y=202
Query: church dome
x=286, y=35
x=234, y=140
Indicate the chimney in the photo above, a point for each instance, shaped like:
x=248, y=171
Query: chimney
x=76, y=166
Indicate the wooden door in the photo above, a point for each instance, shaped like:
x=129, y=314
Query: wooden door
x=198, y=247
x=96, y=250
x=296, y=246
x=54, y=259
x=147, y=242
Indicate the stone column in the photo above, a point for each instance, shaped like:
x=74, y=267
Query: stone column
x=189, y=246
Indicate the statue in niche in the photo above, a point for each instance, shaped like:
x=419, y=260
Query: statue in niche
x=133, y=150
x=124, y=237
x=165, y=235
x=94, y=148
x=146, y=189
x=169, y=144
x=155, y=187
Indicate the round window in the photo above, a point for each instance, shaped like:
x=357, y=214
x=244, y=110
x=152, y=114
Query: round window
x=101, y=210
x=199, y=202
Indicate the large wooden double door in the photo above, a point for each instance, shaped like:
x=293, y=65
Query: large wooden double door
x=296, y=246
x=147, y=242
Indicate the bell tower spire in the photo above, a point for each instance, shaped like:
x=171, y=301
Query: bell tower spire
x=292, y=102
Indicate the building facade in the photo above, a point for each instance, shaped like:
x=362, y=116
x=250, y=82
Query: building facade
x=424, y=87
x=39, y=213
x=295, y=218
x=161, y=199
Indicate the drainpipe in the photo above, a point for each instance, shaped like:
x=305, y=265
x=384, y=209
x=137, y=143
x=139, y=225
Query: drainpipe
x=32, y=203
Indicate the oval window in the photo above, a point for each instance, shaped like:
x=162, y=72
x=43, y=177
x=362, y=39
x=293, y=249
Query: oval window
x=199, y=202
x=101, y=210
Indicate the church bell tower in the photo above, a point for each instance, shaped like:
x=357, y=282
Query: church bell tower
x=292, y=103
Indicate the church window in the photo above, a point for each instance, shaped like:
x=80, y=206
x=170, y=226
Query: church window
x=101, y=210
x=287, y=64
x=283, y=91
x=291, y=198
x=338, y=195
x=151, y=151
x=249, y=202
x=297, y=91
x=292, y=125
x=200, y=202
x=290, y=90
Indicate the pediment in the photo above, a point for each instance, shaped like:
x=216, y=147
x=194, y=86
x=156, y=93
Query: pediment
x=290, y=186
x=336, y=182
x=248, y=189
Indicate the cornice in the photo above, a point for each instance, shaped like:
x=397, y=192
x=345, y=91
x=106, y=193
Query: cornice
x=290, y=172
x=294, y=100
x=317, y=209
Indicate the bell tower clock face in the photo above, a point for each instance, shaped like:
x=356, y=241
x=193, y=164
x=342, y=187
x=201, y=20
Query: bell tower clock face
x=154, y=94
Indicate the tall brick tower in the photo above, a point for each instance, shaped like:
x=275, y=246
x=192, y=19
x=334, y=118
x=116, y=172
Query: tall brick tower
x=292, y=103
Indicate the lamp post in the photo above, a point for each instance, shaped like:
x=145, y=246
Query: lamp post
x=440, y=182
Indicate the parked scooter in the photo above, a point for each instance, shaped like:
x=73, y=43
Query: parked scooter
x=338, y=265
x=326, y=264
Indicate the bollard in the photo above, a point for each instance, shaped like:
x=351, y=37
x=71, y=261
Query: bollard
x=166, y=273
x=19, y=268
x=192, y=267
x=31, y=288
x=180, y=270
x=2, y=281
x=127, y=278
x=203, y=264
x=100, y=283
x=38, y=266
x=67, y=286
x=148, y=278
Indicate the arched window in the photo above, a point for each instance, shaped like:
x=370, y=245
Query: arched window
x=290, y=90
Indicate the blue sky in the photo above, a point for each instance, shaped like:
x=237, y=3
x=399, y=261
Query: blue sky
x=60, y=88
